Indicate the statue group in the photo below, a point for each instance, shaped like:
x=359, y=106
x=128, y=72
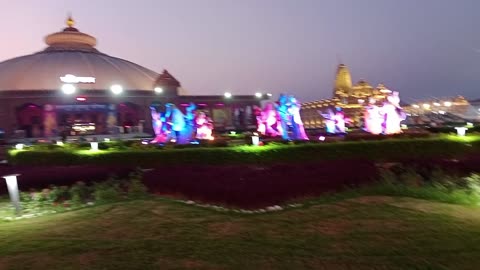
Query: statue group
x=377, y=120
x=281, y=119
x=172, y=125
x=386, y=119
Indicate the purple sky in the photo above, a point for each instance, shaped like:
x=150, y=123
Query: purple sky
x=421, y=48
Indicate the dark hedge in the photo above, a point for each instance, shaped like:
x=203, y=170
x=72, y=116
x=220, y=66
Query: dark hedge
x=308, y=152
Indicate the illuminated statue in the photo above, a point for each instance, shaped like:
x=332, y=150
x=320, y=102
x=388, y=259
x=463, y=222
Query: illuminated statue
x=335, y=122
x=285, y=117
x=329, y=121
x=297, y=124
x=189, y=121
x=158, y=126
x=204, y=127
x=176, y=124
x=268, y=121
x=393, y=114
x=373, y=118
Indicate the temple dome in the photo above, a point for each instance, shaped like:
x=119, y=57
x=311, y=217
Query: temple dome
x=73, y=52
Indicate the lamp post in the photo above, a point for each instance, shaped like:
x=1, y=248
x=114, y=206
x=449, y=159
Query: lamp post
x=461, y=131
x=255, y=139
x=12, y=187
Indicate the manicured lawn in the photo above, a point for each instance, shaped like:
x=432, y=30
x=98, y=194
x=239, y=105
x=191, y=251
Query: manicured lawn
x=362, y=233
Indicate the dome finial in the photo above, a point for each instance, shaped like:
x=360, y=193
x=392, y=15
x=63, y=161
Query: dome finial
x=70, y=21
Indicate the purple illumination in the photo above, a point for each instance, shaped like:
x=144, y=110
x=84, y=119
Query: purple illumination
x=184, y=104
x=219, y=104
x=321, y=138
x=202, y=104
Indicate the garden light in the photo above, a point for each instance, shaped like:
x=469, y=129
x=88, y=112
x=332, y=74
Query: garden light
x=447, y=103
x=12, y=187
x=321, y=138
x=59, y=143
x=19, y=146
x=255, y=139
x=461, y=131
x=94, y=146
x=258, y=95
x=228, y=94
x=106, y=140
x=158, y=90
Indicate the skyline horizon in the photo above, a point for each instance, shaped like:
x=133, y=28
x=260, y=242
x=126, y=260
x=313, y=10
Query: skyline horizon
x=309, y=73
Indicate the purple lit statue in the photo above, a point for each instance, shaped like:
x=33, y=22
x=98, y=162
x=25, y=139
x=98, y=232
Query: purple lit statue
x=373, y=118
x=393, y=114
x=158, y=126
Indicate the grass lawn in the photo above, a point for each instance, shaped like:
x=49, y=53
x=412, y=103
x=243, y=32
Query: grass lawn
x=362, y=233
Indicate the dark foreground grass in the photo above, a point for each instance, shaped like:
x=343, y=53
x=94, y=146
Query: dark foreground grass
x=358, y=233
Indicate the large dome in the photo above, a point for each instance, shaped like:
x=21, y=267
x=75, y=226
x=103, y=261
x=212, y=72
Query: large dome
x=73, y=52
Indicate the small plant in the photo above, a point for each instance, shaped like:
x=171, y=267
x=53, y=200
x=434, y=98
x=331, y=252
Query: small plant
x=57, y=194
x=473, y=183
x=108, y=191
x=135, y=188
x=79, y=193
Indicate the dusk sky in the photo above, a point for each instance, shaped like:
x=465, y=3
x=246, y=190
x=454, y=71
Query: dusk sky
x=421, y=48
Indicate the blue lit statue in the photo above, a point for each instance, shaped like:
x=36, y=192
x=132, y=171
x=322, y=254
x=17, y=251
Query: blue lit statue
x=285, y=117
x=288, y=109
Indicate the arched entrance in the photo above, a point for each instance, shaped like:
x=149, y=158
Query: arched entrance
x=30, y=119
x=128, y=115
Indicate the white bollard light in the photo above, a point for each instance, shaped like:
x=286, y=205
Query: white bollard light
x=12, y=186
x=94, y=146
x=19, y=146
x=461, y=131
x=255, y=140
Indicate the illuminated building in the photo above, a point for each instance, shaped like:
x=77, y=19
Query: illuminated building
x=351, y=98
x=440, y=111
x=71, y=87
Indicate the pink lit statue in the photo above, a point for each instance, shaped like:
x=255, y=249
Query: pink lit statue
x=204, y=127
x=267, y=121
x=373, y=118
x=393, y=114
x=157, y=124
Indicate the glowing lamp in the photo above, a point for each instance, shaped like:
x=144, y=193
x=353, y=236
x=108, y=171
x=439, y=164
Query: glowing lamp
x=403, y=126
x=94, y=146
x=469, y=124
x=361, y=101
x=415, y=106
x=447, y=103
x=258, y=95
x=68, y=89
x=116, y=89
x=268, y=94
x=59, y=143
x=321, y=138
x=255, y=140
x=426, y=106
x=106, y=140
x=436, y=104
x=19, y=146
x=158, y=90
x=461, y=131
x=12, y=186
x=228, y=94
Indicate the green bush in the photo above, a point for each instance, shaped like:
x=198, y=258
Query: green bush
x=390, y=149
x=135, y=188
x=108, y=191
x=57, y=194
x=79, y=193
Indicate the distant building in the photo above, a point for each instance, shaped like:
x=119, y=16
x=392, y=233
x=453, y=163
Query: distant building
x=71, y=86
x=351, y=98
x=440, y=111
